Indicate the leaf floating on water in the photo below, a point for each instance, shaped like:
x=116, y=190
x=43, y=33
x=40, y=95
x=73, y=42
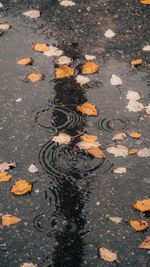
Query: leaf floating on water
x=109, y=33
x=136, y=62
x=8, y=220
x=145, y=2
x=133, y=95
x=33, y=14
x=5, y=166
x=34, y=77
x=118, y=150
x=139, y=225
x=90, y=57
x=135, y=135
x=40, y=47
x=135, y=106
x=64, y=71
x=88, y=109
x=67, y=3
x=25, y=61
x=146, y=48
x=96, y=152
x=4, y=177
x=115, y=80
x=107, y=255
x=53, y=52
x=143, y=153
x=82, y=79
x=88, y=138
x=33, y=169
x=21, y=187
x=87, y=145
x=64, y=60
x=4, y=26
x=119, y=136
x=90, y=67
x=132, y=151
x=62, y=138
x=142, y=205
x=28, y=264
x=120, y=170
x=146, y=243
x=114, y=219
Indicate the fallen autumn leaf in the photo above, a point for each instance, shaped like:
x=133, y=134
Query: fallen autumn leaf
x=8, y=220
x=115, y=80
x=142, y=205
x=64, y=71
x=25, y=61
x=33, y=14
x=107, y=255
x=21, y=187
x=4, y=177
x=62, y=138
x=88, y=109
x=118, y=150
x=34, y=77
x=139, y=225
x=90, y=67
x=146, y=243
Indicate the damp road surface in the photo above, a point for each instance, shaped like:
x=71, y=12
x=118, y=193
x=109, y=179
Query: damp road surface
x=63, y=220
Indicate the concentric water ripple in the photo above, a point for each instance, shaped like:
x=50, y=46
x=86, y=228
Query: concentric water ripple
x=113, y=124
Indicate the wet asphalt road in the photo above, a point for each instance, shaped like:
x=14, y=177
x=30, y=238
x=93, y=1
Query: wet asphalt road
x=64, y=218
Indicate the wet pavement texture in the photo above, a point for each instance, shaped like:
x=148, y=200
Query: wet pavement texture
x=64, y=218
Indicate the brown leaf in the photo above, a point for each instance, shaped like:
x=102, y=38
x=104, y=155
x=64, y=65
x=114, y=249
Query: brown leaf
x=64, y=71
x=5, y=166
x=25, y=61
x=96, y=152
x=146, y=243
x=8, y=220
x=135, y=135
x=145, y=2
x=90, y=67
x=139, y=225
x=40, y=47
x=21, y=187
x=136, y=62
x=34, y=77
x=88, y=138
x=4, y=26
x=132, y=151
x=4, y=177
x=62, y=138
x=142, y=205
x=88, y=109
x=114, y=219
x=107, y=255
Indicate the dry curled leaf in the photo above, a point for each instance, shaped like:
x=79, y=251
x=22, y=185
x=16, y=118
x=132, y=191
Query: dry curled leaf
x=64, y=71
x=118, y=150
x=139, y=225
x=62, y=138
x=88, y=138
x=53, y=51
x=119, y=136
x=135, y=135
x=136, y=62
x=8, y=220
x=115, y=80
x=5, y=166
x=146, y=243
x=64, y=60
x=120, y=170
x=40, y=47
x=28, y=264
x=33, y=14
x=33, y=169
x=34, y=77
x=144, y=152
x=67, y=3
x=109, y=33
x=88, y=109
x=4, y=26
x=145, y=2
x=107, y=255
x=132, y=151
x=25, y=61
x=21, y=187
x=90, y=67
x=82, y=79
x=96, y=152
x=114, y=219
x=4, y=177
x=142, y=205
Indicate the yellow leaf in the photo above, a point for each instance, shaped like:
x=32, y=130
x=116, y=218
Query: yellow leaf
x=90, y=67
x=21, y=187
x=96, y=152
x=143, y=205
x=25, y=61
x=40, y=47
x=145, y=2
x=132, y=151
x=135, y=135
x=139, y=225
x=4, y=177
x=8, y=220
x=34, y=77
x=107, y=255
x=88, y=109
x=64, y=71
x=88, y=138
x=136, y=62
x=146, y=243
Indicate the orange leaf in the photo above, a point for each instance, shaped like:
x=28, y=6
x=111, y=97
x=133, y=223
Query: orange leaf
x=4, y=177
x=95, y=151
x=41, y=47
x=88, y=138
x=21, y=187
x=139, y=226
x=136, y=62
x=88, y=109
x=90, y=67
x=135, y=135
x=146, y=243
x=34, y=77
x=107, y=255
x=132, y=151
x=64, y=71
x=145, y=2
x=25, y=61
x=9, y=220
x=143, y=205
